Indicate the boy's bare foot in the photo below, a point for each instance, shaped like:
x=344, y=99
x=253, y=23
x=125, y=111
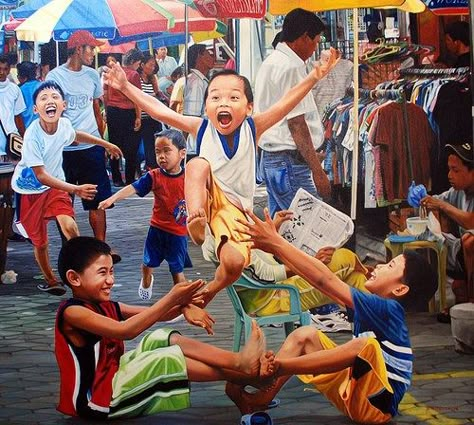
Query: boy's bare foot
x=249, y=357
x=196, y=224
x=267, y=365
x=246, y=402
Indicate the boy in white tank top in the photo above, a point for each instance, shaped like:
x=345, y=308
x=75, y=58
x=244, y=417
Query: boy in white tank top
x=220, y=182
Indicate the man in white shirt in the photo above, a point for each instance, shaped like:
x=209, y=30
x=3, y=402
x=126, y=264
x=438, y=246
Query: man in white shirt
x=289, y=158
x=167, y=64
x=200, y=62
x=12, y=105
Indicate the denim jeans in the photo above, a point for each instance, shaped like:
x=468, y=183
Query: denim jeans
x=284, y=173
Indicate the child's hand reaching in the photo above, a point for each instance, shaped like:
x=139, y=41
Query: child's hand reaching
x=105, y=204
x=114, y=151
x=185, y=293
x=280, y=217
x=115, y=77
x=86, y=191
x=199, y=317
x=320, y=71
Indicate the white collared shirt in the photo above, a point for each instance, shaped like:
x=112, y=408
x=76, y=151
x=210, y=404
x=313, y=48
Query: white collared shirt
x=196, y=85
x=277, y=75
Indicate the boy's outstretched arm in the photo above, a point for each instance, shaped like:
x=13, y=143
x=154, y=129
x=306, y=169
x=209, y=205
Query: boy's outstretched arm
x=266, y=119
x=123, y=193
x=79, y=317
x=264, y=236
x=116, y=78
x=113, y=150
x=84, y=191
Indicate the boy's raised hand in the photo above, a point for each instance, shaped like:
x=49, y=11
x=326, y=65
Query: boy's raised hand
x=282, y=216
x=320, y=71
x=105, y=204
x=114, y=151
x=115, y=77
x=86, y=191
x=197, y=316
x=185, y=293
x=262, y=234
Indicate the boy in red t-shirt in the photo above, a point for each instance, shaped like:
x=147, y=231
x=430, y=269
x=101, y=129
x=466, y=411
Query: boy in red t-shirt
x=167, y=236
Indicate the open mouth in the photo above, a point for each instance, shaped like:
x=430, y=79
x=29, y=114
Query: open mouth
x=51, y=111
x=224, y=118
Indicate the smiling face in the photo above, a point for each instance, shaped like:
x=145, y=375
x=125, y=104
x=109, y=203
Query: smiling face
x=168, y=156
x=227, y=105
x=49, y=105
x=95, y=282
x=386, y=279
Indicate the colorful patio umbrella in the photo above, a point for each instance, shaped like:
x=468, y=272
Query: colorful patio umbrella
x=444, y=8
x=281, y=7
x=108, y=19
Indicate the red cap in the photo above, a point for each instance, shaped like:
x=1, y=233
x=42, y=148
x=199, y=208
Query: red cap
x=82, y=38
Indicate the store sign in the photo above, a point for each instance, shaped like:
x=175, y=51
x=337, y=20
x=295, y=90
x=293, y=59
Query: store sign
x=232, y=8
x=448, y=7
x=8, y=4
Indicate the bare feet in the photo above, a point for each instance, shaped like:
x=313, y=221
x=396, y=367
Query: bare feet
x=197, y=225
x=267, y=365
x=249, y=357
x=246, y=402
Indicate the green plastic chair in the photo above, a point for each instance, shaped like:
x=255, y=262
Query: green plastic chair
x=243, y=322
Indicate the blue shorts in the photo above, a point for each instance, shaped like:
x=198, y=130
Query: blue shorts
x=161, y=245
x=88, y=166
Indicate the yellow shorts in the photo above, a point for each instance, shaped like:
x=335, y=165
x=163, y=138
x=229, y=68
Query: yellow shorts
x=221, y=215
x=352, y=396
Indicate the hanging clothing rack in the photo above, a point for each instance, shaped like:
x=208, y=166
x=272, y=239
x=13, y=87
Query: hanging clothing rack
x=434, y=71
x=390, y=94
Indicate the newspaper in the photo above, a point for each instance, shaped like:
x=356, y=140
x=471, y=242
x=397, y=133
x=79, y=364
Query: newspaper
x=315, y=224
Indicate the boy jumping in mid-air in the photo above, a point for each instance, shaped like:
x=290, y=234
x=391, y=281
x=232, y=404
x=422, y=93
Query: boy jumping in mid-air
x=167, y=236
x=99, y=380
x=38, y=180
x=220, y=183
x=366, y=377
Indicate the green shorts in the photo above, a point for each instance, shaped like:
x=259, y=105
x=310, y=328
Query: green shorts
x=152, y=378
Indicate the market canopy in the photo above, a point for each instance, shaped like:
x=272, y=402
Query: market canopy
x=282, y=7
x=444, y=7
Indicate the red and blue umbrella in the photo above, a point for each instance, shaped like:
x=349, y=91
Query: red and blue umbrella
x=121, y=20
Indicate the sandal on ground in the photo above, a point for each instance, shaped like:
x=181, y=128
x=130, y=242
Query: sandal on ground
x=443, y=316
x=57, y=289
x=257, y=418
x=145, y=293
x=116, y=258
x=274, y=403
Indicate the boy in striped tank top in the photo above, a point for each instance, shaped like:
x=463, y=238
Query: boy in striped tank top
x=367, y=377
x=220, y=182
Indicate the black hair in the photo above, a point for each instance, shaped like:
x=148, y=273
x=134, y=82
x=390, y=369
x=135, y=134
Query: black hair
x=247, y=87
x=132, y=56
x=374, y=32
x=79, y=253
x=299, y=22
x=4, y=59
x=466, y=163
x=193, y=53
x=48, y=84
x=422, y=280
x=276, y=39
x=177, y=73
x=146, y=57
x=459, y=30
x=27, y=70
x=176, y=137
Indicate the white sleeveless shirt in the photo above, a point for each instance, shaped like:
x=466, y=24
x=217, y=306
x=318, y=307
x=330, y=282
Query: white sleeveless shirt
x=234, y=171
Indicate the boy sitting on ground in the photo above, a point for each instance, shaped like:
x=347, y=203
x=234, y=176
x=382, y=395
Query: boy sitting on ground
x=167, y=236
x=99, y=380
x=220, y=183
x=366, y=377
x=39, y=181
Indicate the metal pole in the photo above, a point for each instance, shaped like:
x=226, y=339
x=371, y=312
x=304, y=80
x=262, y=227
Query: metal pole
x=57, y=53
x=355, y=112
x=186, y=36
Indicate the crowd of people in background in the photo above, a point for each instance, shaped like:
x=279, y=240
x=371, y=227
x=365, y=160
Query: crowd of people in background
x=99, y=119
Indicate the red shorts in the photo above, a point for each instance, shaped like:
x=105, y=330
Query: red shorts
x=34, y=211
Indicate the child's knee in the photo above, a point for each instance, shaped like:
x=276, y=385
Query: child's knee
x=233, y=262
x=303, y=335
x=467, y=241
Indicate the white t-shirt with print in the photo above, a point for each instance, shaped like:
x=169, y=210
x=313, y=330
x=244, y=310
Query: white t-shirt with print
x=40, y=148
x=80, y=89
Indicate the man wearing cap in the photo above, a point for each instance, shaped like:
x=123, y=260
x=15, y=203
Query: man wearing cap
x=289, y=158
x=458, y=204
x=84, y=163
